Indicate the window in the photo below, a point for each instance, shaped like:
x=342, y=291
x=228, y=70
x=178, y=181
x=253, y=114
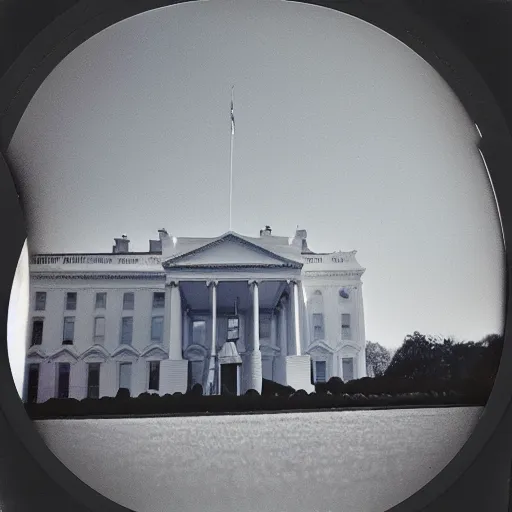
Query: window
x=345, y=326
x=321, y=371
x=233, y=328
x=199, y=332
x=158, y=300
x=157, y=324
x=127, y=330
x=154, y=375
x=37, y=331
x=63, y=380
x=99, y=329
x=318, y=326
x=348, y=368
x=93, y=380
x=101, y=300
x=69, y=330
x=264, y=327
x=71, y=301
x=33, y=383
x=129, y=300
x=125, y=375
x=40, y=301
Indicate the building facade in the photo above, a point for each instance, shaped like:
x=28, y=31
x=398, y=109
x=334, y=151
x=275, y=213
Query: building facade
x=223, y=312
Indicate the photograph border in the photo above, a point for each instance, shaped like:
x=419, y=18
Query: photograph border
x=83, y=20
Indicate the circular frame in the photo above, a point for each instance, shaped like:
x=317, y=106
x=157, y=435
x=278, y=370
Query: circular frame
x=86, y=18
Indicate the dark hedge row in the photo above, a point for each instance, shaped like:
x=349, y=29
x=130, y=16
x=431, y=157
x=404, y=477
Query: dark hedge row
x=394, y=386
x=334, y=394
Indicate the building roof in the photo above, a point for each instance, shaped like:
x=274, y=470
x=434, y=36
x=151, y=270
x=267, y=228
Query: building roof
x=284, y=251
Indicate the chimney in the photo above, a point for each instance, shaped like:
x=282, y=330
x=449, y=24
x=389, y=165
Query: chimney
x=165, y=242
x=300, y=240
x=266, y=232
x=155, y=246
x=122, y=245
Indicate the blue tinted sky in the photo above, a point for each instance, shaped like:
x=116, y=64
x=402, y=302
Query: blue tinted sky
x=340, y=128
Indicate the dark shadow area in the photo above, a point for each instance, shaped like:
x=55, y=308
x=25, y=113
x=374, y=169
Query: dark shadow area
x=423, y=372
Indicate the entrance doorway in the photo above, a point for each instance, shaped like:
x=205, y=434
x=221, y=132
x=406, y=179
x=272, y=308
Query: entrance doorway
x=229, y=379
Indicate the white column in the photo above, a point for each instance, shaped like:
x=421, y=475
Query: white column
x=140, y=376
x=255, y=317
x=167, y=317
x=253, y=378
x=186, y=329
x=108, y=378
x=305, y=320
x=361, y=370
x=273, y=329
x=174, y=370
x=283, y=328
x=294, y=288
x=78, y=380
x=213, y=288
x=211, y=384
x=47, y=381
x=176, y=339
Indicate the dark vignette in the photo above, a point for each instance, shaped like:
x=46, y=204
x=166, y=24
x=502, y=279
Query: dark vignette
x=31, y=475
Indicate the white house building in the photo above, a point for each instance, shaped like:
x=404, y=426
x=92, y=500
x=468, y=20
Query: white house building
x=223, y=312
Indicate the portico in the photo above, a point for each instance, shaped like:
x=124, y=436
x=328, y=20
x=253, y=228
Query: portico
x=214, y=313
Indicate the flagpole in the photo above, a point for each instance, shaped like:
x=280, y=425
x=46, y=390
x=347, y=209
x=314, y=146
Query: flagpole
x=231, y=163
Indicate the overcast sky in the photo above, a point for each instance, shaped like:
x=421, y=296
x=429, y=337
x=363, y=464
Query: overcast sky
x=340, y=128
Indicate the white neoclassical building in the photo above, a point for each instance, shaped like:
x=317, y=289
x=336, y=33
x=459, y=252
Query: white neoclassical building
x=223, y=312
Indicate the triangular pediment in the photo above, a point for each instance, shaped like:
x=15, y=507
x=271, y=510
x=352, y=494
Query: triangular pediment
x=320, y=347
x=230, y=250
x=348, y=347
x=64, y=355
x=125, y=353
x=96, y=353
x=35, y=354
x=154, y=350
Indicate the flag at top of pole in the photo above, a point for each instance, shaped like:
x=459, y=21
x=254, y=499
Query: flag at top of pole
x=232, y=114
x=231, y=163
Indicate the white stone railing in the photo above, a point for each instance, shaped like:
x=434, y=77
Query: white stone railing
x=95, y=259
x=327, y=258
x=336, y=261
